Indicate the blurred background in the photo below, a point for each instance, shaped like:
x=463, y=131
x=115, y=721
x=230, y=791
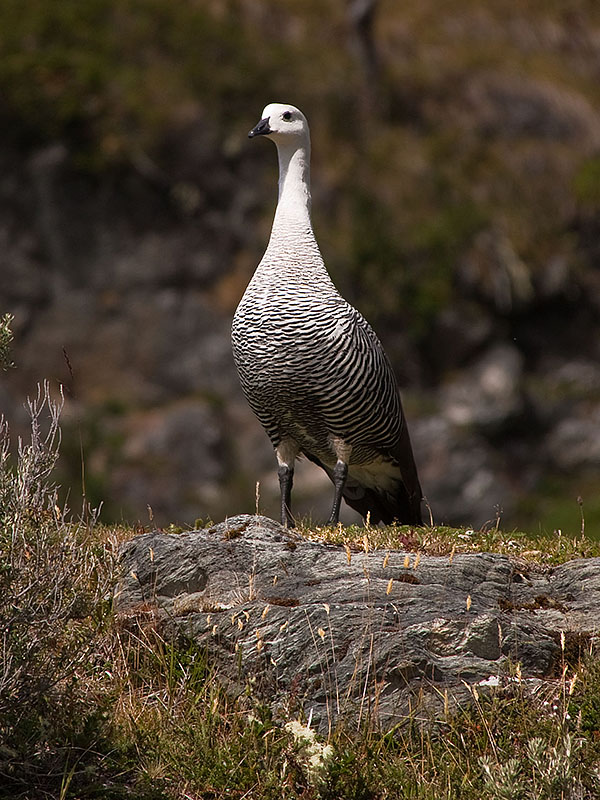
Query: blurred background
x=456, y=200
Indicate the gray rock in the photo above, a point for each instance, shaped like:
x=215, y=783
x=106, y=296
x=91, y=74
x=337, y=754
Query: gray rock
x=488, y=393
x=174, y=450
x=561, y=388
x=575, y=442
x=360, y=635
x=463, y=476
x=510, y=107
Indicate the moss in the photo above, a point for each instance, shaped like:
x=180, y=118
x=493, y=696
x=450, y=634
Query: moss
x=562, y=507
x=110, y=76
x=586, y=183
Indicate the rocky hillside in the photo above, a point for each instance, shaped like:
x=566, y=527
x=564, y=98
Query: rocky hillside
x=456, y=169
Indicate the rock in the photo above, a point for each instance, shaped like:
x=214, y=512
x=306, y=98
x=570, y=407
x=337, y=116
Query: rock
x=489, y=393
x=575, y=442
x=459, y=335
x=560, y=386
x=510, y=107
x=565, y=397
x=463, y=477
x=174, y=450
x=123, y=282
x=356, y=635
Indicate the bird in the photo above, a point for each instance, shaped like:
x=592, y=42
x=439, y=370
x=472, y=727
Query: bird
x=311, y=367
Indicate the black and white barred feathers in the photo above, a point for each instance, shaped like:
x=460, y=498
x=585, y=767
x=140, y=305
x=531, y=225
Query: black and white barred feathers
x=311, y=367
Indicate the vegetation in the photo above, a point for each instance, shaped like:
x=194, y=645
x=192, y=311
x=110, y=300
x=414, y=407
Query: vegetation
x=6, y=338
x=95, y=703
x=110, y=77
x=443, y=540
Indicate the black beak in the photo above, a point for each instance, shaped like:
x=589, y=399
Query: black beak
x=261, y=129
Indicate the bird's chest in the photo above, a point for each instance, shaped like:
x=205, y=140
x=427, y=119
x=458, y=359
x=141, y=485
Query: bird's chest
x=286, y=331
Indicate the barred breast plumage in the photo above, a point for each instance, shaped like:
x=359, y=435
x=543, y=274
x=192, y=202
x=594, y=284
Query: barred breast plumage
x=311, y=367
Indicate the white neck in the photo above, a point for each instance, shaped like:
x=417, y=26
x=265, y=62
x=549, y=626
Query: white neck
x=294, y=183
x=292, y=246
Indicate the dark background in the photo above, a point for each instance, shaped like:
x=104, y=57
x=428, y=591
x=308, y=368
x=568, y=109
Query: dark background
x=456, y=199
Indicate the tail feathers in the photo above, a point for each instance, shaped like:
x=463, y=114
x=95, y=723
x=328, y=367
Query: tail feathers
x=383, y=506
x=401, y=504
x=411, y=486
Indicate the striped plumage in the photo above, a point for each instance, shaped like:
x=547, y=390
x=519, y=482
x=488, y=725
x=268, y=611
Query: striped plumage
x=311, y=367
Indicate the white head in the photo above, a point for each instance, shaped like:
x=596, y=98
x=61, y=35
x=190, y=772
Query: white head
x=283, y=123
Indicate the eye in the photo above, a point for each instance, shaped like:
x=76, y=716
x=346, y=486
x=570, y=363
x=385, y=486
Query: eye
x=287, y=115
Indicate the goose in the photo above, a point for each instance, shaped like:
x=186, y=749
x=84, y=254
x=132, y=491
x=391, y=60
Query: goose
x=310, y=366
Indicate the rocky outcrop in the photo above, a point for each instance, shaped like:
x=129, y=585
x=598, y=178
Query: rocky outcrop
x=367, y=635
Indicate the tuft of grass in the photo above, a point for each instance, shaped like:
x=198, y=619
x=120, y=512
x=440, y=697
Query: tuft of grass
x=184, y=732
x=511, y=743
x=555, y=548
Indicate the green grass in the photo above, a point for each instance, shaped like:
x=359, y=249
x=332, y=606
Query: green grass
x=544, y=548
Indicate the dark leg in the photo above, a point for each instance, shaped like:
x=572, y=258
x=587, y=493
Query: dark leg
x=286, y=479
x=340, y=473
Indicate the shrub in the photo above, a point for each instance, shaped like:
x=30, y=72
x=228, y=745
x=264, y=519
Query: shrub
x=55, y=584
x=6, y=338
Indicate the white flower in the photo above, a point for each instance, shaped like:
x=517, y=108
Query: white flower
x=493, y=680
x=314, y=754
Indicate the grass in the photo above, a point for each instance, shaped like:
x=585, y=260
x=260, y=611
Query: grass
x=442, y=540
x=100, y=704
